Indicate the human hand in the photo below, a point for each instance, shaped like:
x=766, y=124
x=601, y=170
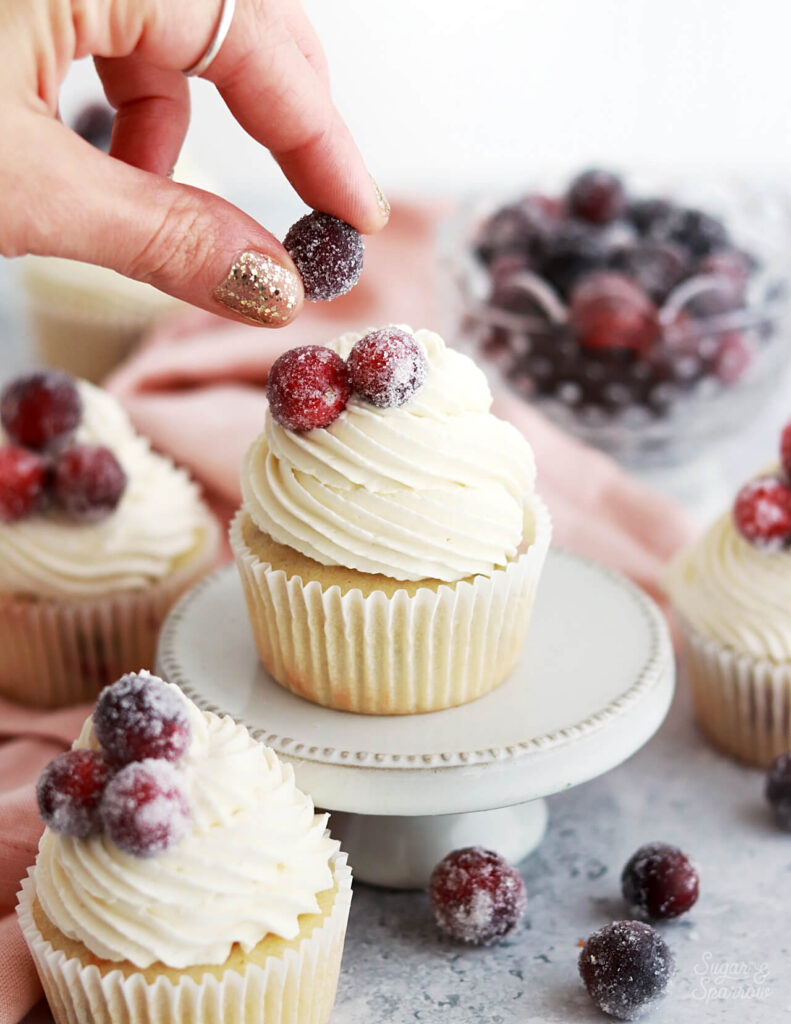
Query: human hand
x=60, y=196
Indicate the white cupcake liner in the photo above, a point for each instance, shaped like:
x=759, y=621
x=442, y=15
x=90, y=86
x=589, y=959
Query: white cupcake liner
x=403, y=654
x=296, y=987
x=742, y=703
x=55, y=652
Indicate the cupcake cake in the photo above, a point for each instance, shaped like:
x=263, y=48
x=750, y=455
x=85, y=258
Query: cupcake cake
x=99, y=536
x=390, y=540
x=182, y=877
x=731, y=594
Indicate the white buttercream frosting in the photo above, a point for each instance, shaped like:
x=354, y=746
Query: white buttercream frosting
x=254, y=859
x=734, y=592
x=433, y=489
x=160, y=520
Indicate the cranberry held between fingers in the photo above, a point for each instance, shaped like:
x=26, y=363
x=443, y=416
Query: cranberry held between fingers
x=141, y=717
x=308, y=388
x=41, y=410
x=144, y=808
x=762, y=512
x=327, y=252
x=386, y=367
x=89, y=482
x=23, y=483
x=476, y=896
x=660, y=882
x=70, y=790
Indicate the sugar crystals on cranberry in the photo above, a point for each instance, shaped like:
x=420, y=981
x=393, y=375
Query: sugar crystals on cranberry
x=659, y=881
x=41, y=410
x=89, y=482
x=70, y=790
x=762, y=512
x=625, y=966
x=308, y=387
x=386, y=367
x=144, y=808
x=327, y=252
x=140, y=717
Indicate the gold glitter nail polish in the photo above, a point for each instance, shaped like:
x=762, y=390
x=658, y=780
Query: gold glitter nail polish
x=259, y=288
x=381, y=199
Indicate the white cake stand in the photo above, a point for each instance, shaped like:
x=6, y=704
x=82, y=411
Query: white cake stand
x=593, y=685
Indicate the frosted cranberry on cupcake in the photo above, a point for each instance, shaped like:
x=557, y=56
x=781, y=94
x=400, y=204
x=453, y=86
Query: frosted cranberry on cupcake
x=181, y=867
x=390, y=539
x=731, y=592
x=99, y=535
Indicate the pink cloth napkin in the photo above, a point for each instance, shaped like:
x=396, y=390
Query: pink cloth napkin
x=197, y=389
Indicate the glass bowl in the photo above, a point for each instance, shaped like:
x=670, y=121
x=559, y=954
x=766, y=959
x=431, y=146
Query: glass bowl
x=710, y=362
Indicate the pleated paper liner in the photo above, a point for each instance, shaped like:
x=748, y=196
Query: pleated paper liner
x=408, y=649
x=294, y=985
x=56, y=652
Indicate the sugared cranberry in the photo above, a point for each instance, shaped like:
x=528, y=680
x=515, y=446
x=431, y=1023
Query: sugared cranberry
x=386, y=367
x=476, y=896
x=648, y=214
x=89, y=482
x=144, y=808
x=656, y=266
x=23, y=483
x=785, y=449
x=327, y=252
x=520, y=227
x=572, y=251
x=41, y=410
x=70, y=790
x=308, y=387
x=140, y=717
x=778, y=790
x=731, y=264
x=660, y=882
x=762, y=512
x=608, y=311
x=698, y=232
x=625, y=967
x=94, y=123
x=733, y=356
x=596, y=196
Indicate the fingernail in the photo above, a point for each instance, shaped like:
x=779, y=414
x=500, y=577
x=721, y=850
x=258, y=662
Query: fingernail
x=381, y=200
x=260, y=289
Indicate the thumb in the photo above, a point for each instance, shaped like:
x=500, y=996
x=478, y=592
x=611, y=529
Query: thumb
x=87, y=206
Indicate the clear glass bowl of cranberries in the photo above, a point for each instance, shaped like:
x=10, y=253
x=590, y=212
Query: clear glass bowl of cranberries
x=647, y=319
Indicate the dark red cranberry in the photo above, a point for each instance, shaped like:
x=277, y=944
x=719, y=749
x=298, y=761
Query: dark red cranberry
x=70, y=790
x=608, y=311
x=520, y=227
x=94, y=123
x=731, y=264
x=571, y=252
x=41, y=410
x=648, y=214
x=144, y=809
x=778, y=790
x=476, y=895
x=625, y=967
x=308, y=387
x=140, y=717
x=656, y=266
x=88, y=483
x=596, y=196
x=733, y=356
x=386, y=367
x=762, y=512
x=327, y=252
x=785, y=450
x=23, y=483
x=660, y=882
x=698, y=232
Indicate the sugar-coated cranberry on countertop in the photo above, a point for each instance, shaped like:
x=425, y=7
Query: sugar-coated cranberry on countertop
x=476, y=896
x=141, y=717
x=597, y=196
x=41, y=410
x=609, y=311
x=308, y=387
x=386, y=367
x=625, y=966
x=327, y=252
x=88, y=482
x=23, y=483
x=778, y=790
x=144, y=808
x=70, y=790
x=659, y=881
x=762, y=512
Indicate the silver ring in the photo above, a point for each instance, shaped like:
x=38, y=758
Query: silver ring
x=223, y=25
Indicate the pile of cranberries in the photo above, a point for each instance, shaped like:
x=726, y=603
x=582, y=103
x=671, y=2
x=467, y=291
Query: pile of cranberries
x=603, y=301
x=41, y=464
x=130, y=789
x=762, y=509
x=310, y=386
x=478, y=897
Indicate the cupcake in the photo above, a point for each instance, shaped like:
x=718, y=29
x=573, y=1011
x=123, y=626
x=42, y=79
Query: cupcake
x=731, y=594
x=390, y=540
x=98, y=538
x=182, y=876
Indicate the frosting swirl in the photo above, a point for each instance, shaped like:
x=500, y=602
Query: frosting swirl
x=159, y=521
x=254, y=859
x=433, y=489
x=734, y=592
